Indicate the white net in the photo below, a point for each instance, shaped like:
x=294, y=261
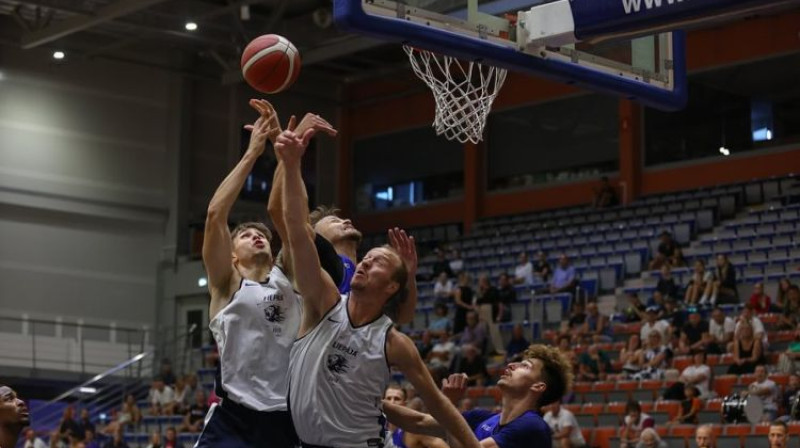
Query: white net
x=464, y=92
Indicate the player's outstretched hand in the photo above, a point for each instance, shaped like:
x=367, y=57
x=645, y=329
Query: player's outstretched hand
x=260, y=131
x=290, y=147
x=454, y=387
x=405, y=245
x=319, y=124
x=266, y=110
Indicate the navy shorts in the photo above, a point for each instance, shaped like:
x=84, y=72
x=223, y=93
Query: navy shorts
x=231, y=425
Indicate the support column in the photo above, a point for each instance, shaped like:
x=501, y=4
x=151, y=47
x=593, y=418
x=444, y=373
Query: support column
x=473, y=183
x=630, y=150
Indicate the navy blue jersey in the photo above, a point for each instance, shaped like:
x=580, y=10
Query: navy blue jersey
x=347, y=274
x=525, y=431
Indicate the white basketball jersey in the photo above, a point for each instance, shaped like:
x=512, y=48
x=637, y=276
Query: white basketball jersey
x=254, y=335
x=338, y=374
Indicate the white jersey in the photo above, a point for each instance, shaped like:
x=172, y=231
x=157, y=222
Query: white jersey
x=338, y=374
x=254, y=334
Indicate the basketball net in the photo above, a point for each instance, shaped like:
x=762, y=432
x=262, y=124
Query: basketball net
x=464, y=92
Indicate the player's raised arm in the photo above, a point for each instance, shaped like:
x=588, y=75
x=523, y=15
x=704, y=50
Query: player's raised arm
x=407, y=249
x=315, y=286
x=217, y=238
x=402, y=353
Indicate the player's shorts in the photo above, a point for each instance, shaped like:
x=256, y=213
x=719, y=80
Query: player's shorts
x=231, y=425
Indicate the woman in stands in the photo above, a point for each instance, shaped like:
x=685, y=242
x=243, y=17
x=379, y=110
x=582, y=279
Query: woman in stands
x=747, y=351
x=781, y=296
x=129, y=414
x=630, y=355
x=462, y=296
x=650, y=439
x=634, y=423
x=700, y=281
x=654, y=359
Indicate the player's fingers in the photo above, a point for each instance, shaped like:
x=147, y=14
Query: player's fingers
x=308, y=135
x=248, y=127
x=292, y=123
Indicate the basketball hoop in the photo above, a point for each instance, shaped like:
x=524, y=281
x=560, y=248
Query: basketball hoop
x=464, y=92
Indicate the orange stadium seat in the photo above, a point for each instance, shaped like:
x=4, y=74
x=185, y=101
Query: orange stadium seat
x=662, y=430
x=647, y=406
x=495, y=393
x=781, y=379
x=712, y=360
x=592, y=408
x=588, y=436
x=575, y=408
x=726, y=359
x=651, y=385
x=616, y=407
x=742, y=429
x=603, y=435
x=761, y=429
x=683, y=430
x=714, y=404
x=581, y=387
x=723, y=384
x=476, y=391
x=794, y=428
x=681, y=362
x=746, y=378
x=671, y=407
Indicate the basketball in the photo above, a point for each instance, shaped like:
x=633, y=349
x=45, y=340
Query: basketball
x=270, y=63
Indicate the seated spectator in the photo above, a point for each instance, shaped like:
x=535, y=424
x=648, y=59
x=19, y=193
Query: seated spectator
x=781, y=295
x=790, y=394
x=665, y=251
x=723, y=288
x=128, y=415
x=747, y=350
x=657, y=300
x=441, y=354
x=767, y=390
x=791, y=311
x=690, y=407
x=425, y=344
x=635, y=311
x=653, y=323
x=443, y=289
x=116, y=440
x=596, y=327
x=517, y=345
x=720, y=330
x=31, y=441
x=564, y=426
x=196, y=413
x=181, y=396
x=788, y=360
x=698, y=374
x=456, y=262
x=699, y=283
x=506, y=295
x=629, y=356
x=675, y=318
x=694, y=334
x=655, y=358
x=472, y=364
x=68, y=429
x=747, y=315
x=564, y=278
x=577, y=317
x=542, y=268
x=704, y=437
x=760, y=301
x=440, y=322
x=593, y=365
x=162, y=398
x=523, y=273
x=666, y=284
x=650, y=439
x=89, y=440
x=677, y=260
x=633, y=424
x=155, y=440
x=605, y=196
x=442, y=265
x=463, y=296
x=565, y=347
x=171, y=438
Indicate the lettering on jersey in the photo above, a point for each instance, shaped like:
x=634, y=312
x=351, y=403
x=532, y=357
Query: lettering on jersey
x=337, y=363
x=344, y=348
x=273, y=298
x=274, y=313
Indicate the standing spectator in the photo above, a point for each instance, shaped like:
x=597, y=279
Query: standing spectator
x=523, y=273
x=542, y=268
x=694, y=334
x=655, y=358
x=605, y=196
x=506, y=296
x=487, y=299
x=650, y=439
x=31, y=441
x=564, y=426
x=632, y=425
x=747, y=350
x=471, y=363
x=441, y=265
x=440, y=323
x=666, y=284
x=456, y=262
x=723, y=288
x=463, y=297
x=760, y=301
x=767, y=390
x=653, y=323
x=517, y=345
x=161, y=398
x=666, y=249
x=698, y=284
x=443, y=288
x=690, y=407
x=720, y=329
x=195, y=415
x=596, y=327
x=564, y=279
x=790, y=393
x=704, y=437
x=791, y=310
x=593, y=365
x=629, y=356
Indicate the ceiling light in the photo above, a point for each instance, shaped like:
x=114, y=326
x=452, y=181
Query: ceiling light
x=202, y=282
x=724, y=151
x=190, y=26
x=58, y=55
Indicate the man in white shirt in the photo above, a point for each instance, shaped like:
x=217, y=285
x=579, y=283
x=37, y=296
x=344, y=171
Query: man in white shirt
x=162, y=398
x=720, y=329
x=566, y=432
x=442, y=352
x=653, y=324
x=697, y=374
x=31, y=441
x=523, y=273
x=767, y=390
x=758, y=327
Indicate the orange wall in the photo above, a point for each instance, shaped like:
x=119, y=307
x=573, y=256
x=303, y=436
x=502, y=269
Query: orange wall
x=424, y=215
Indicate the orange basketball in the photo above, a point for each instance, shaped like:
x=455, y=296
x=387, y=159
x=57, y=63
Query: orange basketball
x=270, y=63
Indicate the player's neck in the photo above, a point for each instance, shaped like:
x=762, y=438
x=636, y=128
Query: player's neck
x=257, y=272
x=348, y=248
x=513, y=407
x=362, y=309
x=9, y=434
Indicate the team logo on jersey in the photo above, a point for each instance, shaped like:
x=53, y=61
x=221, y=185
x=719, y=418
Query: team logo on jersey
x=274, y=313
x=337, y=363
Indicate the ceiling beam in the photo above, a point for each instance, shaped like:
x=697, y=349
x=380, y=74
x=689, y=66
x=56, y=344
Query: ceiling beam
x=72, y=25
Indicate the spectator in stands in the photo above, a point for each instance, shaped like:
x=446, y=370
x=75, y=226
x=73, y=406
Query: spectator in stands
x=790, y=395
x=441, y=354
x=472, y=364
x=781, y=295
x=13, y=417
x=523, y=273
x=674, y=316
x=517, y=345
x=88, y=440
x=650, y=439
x=720, y=330
x=68, y=428
x=760, y=301
x=677, y=260
x=791, y=311
x=425, y=344
x=723, y=287
x=596, y=327
x=698, y=374
x=629, y=356
x=666, y=284
x=665, y=251
x=655, y=358
x=443, y=289
x=605, y=196
x=747, y=350
x=542, y=268
x=166, y=372
x=767, y=390
x=117, y=440
x=487, y=299
x=456, y=262
x=577, y=317
x=593, y=365
x=440, y=322
x=704, y=437
x=565, y=347
x=566, y=433
x=466, y=404
x=195, y=415
x=463, y=296
x=694, y=334
x=129, y=414
x=657, y=300
x=182, y=399
x=698, y=284
x=506, y=295
x=475, y=332
x=747, y=315
x=85, y=422
x=690, y=407
x=31, y=441
x=396, y=395
x=653, y=323
x=441, y=265
x=155, y=440
x=162, y=398
x=564, y=279
x=636, y=310
x=777, y=435
x=632, y=425
x=171, y=438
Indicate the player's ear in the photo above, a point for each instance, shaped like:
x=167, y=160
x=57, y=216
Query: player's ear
x=539, y=387
x=392, y=287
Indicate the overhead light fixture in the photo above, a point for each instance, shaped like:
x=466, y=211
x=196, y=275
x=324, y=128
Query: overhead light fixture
x=202, y=282
x=244, y=12
x=87, y=390
x=190, y=26
x=724, y=151
x=59, y=55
